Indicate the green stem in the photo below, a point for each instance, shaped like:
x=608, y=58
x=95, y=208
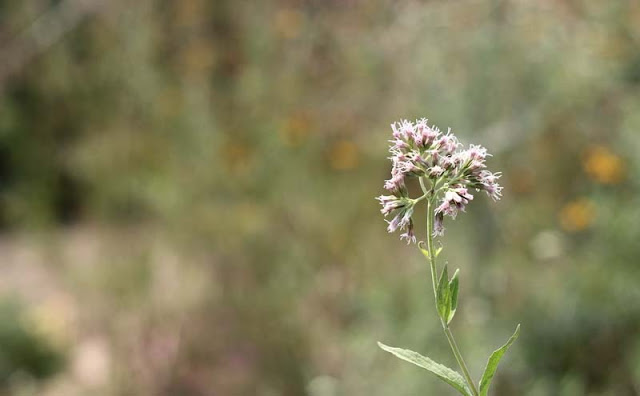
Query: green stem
x=459, y=359
x=432, y=259
x=445, y=326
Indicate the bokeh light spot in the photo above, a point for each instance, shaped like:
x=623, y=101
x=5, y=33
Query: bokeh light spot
x=577, y=215
x=603, y=166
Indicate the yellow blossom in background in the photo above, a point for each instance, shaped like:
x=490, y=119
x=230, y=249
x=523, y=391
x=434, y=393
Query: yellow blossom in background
x=603, y=166
x=577, y=215
x=344, y=155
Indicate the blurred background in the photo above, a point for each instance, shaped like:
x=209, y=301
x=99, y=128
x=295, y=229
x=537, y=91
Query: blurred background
x=187, y=195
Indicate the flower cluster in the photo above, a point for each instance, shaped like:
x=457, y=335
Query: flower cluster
x=447, y=172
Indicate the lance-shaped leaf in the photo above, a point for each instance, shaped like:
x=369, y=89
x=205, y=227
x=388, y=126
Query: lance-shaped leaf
x=446, y=374
x=444, y=296
x=453, y=295
x=492, y=364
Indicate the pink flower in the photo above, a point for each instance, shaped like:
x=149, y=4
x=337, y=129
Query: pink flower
x=396, y=185
x=477, y=152
x=447, y=162
x=424, y=134
x=420, y=150
x=401, y=220
x=464, y=195
x=409, y=235
x=438, y=226
x=403, y=130
x=399, y=144
x=436, y=171
x=390, y=203
x=454, y=200
x=448, y=143
x=394, y=224
x=494, y=191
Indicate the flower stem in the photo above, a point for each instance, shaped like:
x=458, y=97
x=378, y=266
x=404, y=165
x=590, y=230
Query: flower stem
x=459, y=359
x=445, y=326
x=432, y=259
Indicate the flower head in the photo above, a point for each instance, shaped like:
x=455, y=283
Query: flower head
x=419, y=150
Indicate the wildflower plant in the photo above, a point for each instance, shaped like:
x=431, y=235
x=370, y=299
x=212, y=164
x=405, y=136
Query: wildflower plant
x=447, y=174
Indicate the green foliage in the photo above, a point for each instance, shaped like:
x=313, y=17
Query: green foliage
x=453, y=293
x=444, y=295
x=446, y=374
x=447, y=292
x=21, y=350
x=248, y=134
x=492, y=363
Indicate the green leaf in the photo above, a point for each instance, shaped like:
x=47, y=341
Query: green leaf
x=446, y=374
x=453, y=293
x=438, y=250
x=444, y=297
x=492, y=364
